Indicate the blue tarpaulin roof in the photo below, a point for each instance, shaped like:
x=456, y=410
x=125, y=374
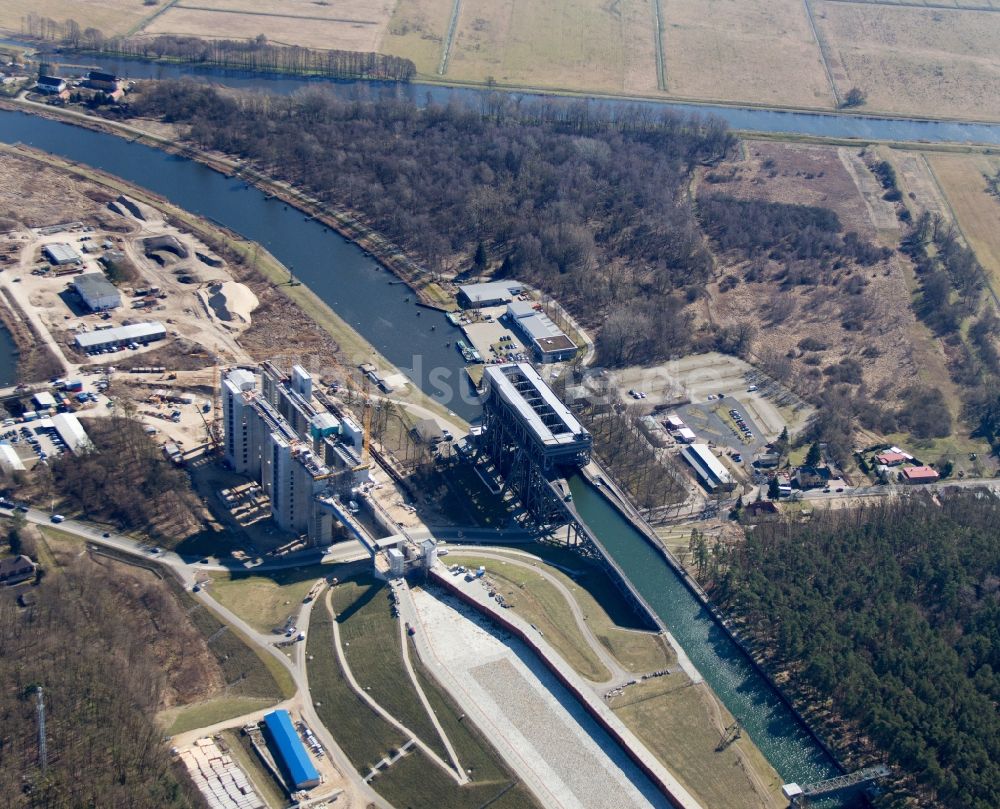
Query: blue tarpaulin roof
x=291, y=753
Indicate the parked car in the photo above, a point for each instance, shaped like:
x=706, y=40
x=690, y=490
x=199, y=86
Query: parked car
x=58, y=518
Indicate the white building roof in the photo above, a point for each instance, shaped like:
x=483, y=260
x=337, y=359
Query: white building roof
x=120, y=334
x=491, y=291
x=61, y=253
x=570, y=426
x=70, y=430
x=242, y=379
x=44, y=399
x=674, y=421
x=10, y=461
x=325, y=421
x=519, y=309
x=687, y=434
x=703, y=459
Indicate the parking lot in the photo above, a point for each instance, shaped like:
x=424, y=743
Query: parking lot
x=493, y=340
x=714, y=422
x=34, y=442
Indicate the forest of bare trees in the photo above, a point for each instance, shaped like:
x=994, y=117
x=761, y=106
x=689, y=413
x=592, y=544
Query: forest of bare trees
x=127, y=481
x=79, y=642
x=588, y=205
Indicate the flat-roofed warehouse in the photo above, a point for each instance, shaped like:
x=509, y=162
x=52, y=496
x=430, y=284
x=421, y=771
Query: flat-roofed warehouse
x=546, y=339
x=71, y=431
x=97, y=292
x=708, y=468
x=10, y=461
x=140, y=333
x=492, y=293
x=289, y=752
x=59, y=253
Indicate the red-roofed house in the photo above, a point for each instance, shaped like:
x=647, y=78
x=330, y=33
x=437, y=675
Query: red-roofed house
x=919, y=474
x=891, y=458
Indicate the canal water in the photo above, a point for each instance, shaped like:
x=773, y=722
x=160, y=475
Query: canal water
x=747, y=695
x=746, y=119
x=354, y=286
x=8, y=358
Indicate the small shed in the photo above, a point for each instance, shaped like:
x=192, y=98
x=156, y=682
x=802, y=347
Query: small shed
x=686, y=435
x=16, y=569
x=44, y=400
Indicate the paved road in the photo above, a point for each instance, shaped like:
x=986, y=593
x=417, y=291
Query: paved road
x=617, y=673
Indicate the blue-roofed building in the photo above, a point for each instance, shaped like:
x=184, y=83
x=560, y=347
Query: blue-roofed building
x=288, y=750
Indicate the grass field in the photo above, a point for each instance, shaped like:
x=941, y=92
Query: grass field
x=960, y=177
x=578, y=44
x=358, y=28
x=637, y=650
x=110, y=16
x=365, y=737
x=265, y=600
x=681, y=723
x=247, y=673
x=537, y=601
x=370, y=637
x=912, y=60
x=750, y=50
x=210, y=712
x=417, y=31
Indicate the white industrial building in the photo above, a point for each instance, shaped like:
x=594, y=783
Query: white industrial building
x=686, y=435
x=709, y=469
x=44, y=400
x=491, y=293
x=10, y=461
x=280, y=436
x=50, y=85
x=59, y=253
x=97, y=292
x=545, y=338
x=140, y=333
x=71, y=431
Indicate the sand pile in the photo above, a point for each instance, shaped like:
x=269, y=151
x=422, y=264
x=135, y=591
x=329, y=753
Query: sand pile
x=231, y=302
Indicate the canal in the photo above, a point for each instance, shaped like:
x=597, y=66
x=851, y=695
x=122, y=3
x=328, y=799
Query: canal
x=354, y=286
x=8, y=358
x=746, y=119
x=747, y=695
